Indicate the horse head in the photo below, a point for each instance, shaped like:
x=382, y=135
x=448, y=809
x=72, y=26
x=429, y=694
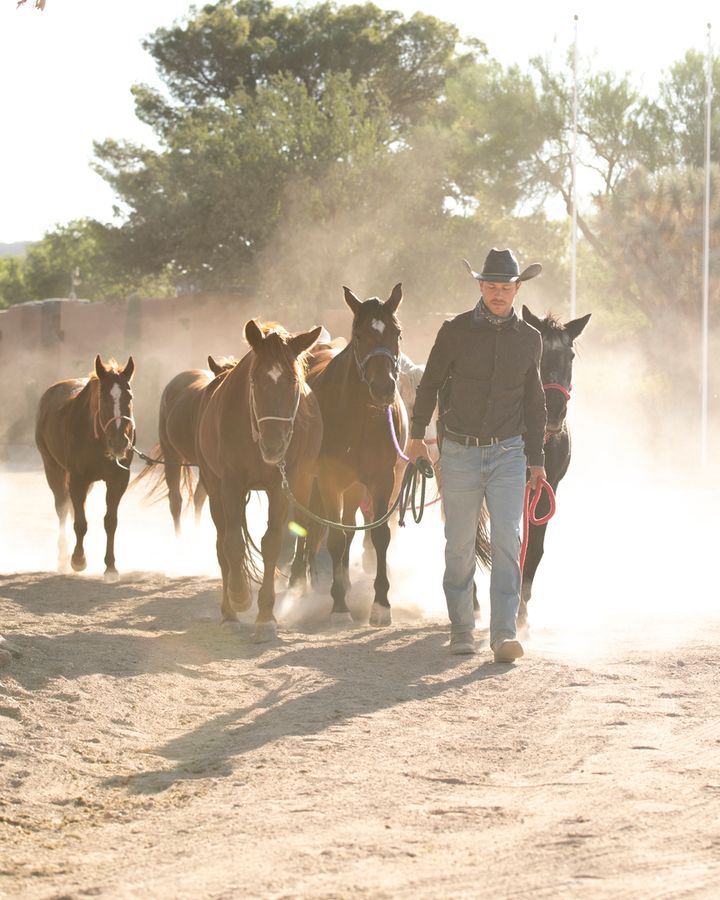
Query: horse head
x=556, y=363
x=277, y=381
x=114, y=422
x=376, y=343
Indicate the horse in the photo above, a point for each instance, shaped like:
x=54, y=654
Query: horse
x=177, y=424
x=354, y=388
x=556, y=372
x=85, y=432
x=410, y=374
x=258, y=424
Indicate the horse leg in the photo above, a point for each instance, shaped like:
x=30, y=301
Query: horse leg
x=57, y=478
x=172, y=477
x=352, y=500
x=533, y=555
x=302, y=491
x=380, y=613
x=234, y=501
x=78, y=494
x=199, y=498
x=218, y=516
x=265, y=624
x=115, y=488
x=368, y=562
x=331, y=500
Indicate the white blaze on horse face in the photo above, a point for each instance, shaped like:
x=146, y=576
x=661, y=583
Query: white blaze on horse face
x=116, y=394
x=378, y=325
x=275, y=373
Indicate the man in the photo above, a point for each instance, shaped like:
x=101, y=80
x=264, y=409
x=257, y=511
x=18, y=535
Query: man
x=485, y=366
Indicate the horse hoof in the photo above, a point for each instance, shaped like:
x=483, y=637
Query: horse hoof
x=111, y=577
x=265, y=632
x=78, y=565
x=380, y=615
x=341, y=619
x=230, y=625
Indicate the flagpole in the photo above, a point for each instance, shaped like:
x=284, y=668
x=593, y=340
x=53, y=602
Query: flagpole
x=706, y=264
x=573, y=170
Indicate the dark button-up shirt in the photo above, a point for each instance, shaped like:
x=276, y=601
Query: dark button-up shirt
x=488, y=380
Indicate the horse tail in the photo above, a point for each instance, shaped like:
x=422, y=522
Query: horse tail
x=153, y=472
x=250, y=566
x=482, y=540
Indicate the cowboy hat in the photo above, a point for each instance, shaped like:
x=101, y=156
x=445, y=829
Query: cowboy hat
x=501, y=266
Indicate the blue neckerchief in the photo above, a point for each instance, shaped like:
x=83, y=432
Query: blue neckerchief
x=482, y=313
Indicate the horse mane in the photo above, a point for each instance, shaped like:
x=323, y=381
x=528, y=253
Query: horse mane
x=113, y=368
x=553, y=322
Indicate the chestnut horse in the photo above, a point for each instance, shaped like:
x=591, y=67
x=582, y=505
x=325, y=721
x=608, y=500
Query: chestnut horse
x=254, y=420
x=85, y=432
x=177, y=424
x=354, y=389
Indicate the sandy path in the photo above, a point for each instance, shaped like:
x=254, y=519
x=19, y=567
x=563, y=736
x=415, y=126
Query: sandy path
x=147, y=752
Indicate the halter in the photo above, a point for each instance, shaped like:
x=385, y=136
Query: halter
x=255, y=420
x=378, y=351
x=118, y=419
x=565, y=391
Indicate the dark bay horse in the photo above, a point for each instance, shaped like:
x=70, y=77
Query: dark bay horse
x=556, y=371
x=354, y=389
x=254, y=418
x=177, y=426
x=85, y=432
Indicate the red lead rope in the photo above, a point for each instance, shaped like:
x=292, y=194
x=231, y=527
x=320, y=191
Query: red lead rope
x=529, y=517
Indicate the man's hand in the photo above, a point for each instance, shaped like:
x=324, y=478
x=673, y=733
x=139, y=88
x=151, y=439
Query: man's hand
x=417, y=448
x=537, y=474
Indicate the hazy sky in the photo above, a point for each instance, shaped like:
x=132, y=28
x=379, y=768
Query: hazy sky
x=66, y=75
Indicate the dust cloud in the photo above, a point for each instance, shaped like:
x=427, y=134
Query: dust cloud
x=628, y=554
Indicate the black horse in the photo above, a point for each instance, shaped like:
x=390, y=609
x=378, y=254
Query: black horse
x=556, y=372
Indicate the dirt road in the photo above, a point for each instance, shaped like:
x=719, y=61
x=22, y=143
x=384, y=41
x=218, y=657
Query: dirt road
x=148, y=752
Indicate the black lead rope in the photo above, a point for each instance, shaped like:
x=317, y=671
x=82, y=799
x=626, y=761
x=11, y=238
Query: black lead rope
x=406, y=495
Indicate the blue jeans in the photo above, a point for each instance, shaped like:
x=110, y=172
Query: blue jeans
x=470, y=475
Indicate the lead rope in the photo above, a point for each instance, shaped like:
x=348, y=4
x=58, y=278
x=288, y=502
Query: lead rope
x=529, y=517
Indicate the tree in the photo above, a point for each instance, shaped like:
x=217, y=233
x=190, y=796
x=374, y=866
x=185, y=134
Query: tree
x=232, y=49
x=12, y=285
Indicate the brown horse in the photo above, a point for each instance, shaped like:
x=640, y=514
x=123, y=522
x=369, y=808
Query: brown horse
x=254, y=420
x=177, y=425
x=354, y=388
x=85, y=432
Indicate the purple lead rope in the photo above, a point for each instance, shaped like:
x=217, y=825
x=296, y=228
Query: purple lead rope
x=391, y=423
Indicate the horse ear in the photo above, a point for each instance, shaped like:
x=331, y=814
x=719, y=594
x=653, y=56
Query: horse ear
x=530, y=318
x=352, y=301
x=576, y=326
x=100, y=369
x=253, y=334
x=395, y=298
x=129, y=369
x=214, y=367
x=304, y=341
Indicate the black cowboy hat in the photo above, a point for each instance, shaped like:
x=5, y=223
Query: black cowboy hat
x=501, y=266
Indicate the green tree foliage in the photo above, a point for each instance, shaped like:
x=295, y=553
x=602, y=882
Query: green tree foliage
x=12, y=284
x=681, y=113
x=230, y=50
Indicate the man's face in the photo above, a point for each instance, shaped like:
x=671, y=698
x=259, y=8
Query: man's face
x=499, y=297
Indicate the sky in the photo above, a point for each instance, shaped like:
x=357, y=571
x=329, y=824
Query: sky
x=66, y=75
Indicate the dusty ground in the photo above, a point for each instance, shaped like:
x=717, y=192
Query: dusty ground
x=147, y=752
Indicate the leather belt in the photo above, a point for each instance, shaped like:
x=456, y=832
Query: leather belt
x=469, y=440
